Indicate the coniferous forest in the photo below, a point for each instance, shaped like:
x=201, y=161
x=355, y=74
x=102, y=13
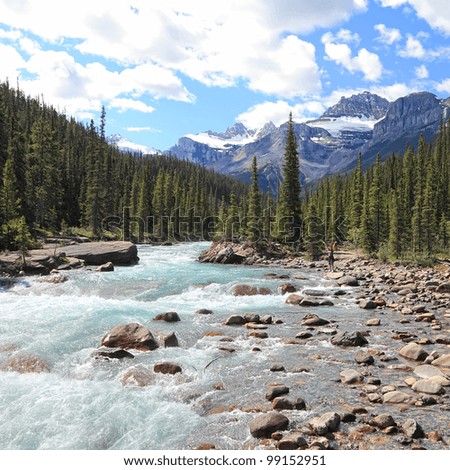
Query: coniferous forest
x=58, y=175
x=61, y=176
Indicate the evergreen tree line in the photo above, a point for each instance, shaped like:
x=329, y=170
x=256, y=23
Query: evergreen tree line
x=58, y=175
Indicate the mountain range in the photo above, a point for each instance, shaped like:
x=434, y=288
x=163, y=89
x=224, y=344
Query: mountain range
x=364, y=122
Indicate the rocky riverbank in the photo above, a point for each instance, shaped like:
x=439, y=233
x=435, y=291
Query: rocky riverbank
x=60, y=256
x=408, y=305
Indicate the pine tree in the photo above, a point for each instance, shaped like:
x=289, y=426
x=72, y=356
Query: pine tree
x=222, y=215
x=144, y=204
x=289, y=204
x=9, y=201
x=357, y=195
x=395, y=229
x=417, y=222
x=232, y=226
x=366, y=230
x=376, y=206
x=313, y=232
x=158, y=205
x=254, y=216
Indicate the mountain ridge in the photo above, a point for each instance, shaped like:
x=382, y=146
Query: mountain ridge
x=362, y=123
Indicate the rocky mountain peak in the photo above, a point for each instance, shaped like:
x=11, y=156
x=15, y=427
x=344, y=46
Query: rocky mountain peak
x=363, y=105
x=268, y=128
x=236, y=129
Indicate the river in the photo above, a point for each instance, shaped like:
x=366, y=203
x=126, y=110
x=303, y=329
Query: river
x=82, y=404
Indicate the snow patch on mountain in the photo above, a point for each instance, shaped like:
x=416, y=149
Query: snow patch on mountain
x=335, y=126
x=236, y=135
x=216, y=142
x=125, y=145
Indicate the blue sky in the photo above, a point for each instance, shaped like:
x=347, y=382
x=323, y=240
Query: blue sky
x=164, y=69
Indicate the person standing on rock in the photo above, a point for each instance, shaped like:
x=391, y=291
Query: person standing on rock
x=330, y=249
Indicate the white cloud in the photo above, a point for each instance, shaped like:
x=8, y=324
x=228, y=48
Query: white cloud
x=435, y=12
x=29, y=46
x=413, y=49
x=395, y=91
x=143, y=129
x=125, y=104
x=11, y=35
x=392, y=3
x=422, y=72
x=387, y=35
x=342, y=36
x=278, y=113
x=78, y=88
x=366, y=62
x=444, y=86
x=11, y=62
x=287, y=77
x=208, y=41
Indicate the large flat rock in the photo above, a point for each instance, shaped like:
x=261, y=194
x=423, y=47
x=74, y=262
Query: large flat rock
x=96, y=253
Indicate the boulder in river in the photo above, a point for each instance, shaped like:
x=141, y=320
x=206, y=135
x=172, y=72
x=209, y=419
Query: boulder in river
x=204, y=311
x=169, y=317
x=349, y=338
x=245, y=289
x=397, y=397
x=137, y=377
x=350, y=376
x=442, y=361
x=328, y=422
x=294, y=299
x=309, y=302
x=412, y=429
x=413, y=351
x=383, y=421
x=235, y=320
x=111, y=353
x=363, y=357
x=167, y=368
x=428, y=386
x=130, y=336
x=348, y=281
x=368, y=304
x=283, y=403
x=276, y=391
x=107, y=267
x=285, y=288
x=314, y=292
x=292, y=442
x=170, y=340
x=97, y=253
x=266, y=424
x=311, y=319
x=427, y=371
x=25, y=364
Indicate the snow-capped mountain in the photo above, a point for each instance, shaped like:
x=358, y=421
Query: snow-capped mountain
x=363, y=123
x=126, y=145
